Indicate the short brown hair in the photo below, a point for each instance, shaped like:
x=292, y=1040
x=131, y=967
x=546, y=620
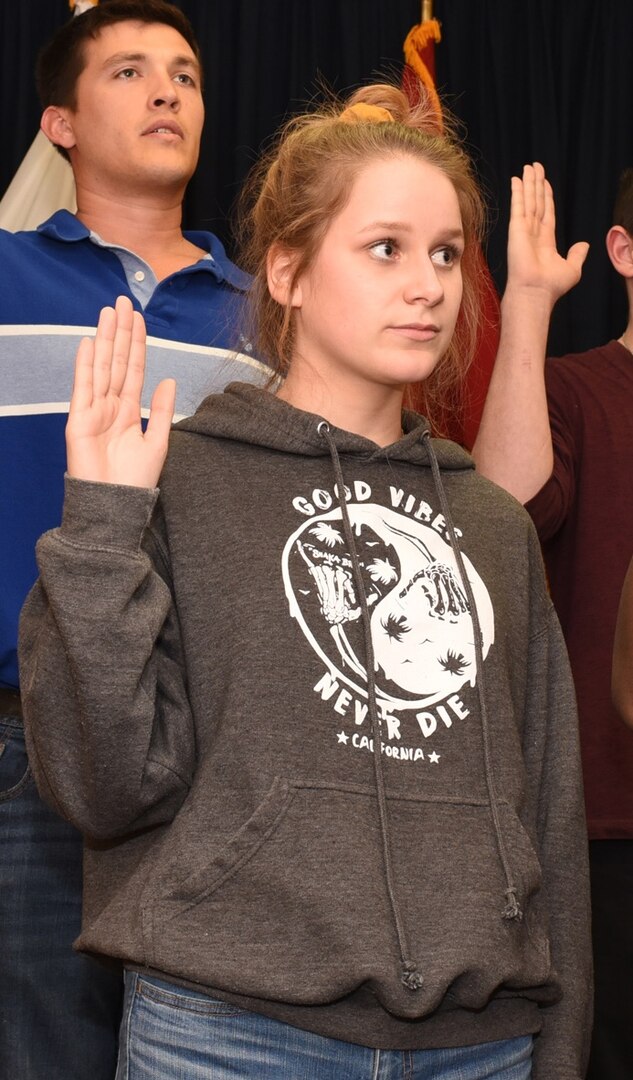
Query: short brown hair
x=623, y=208
x=305, y=181
x=62, y=60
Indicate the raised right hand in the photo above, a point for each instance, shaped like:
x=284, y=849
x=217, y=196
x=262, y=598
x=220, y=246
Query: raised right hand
x=104, y=438
x=534, y=262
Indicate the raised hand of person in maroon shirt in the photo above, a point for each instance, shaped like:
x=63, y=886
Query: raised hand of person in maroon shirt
x=104, y=438
x=533, y=258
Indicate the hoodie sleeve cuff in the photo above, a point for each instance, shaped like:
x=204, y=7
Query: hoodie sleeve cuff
x=106, y=515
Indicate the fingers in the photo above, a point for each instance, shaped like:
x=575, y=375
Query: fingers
x=529, y=192
x=532, y=197
x=121, y=344
x=115, y=346
x=517, y=204
x=306, y=558
x=102, y=366
x=81, y=397
x=549, y=209
x=102, y=352
x=104, y=435
x=161, y=415
x=577, y=254
x=533, y=257
x=132, y=384
x=538, y=174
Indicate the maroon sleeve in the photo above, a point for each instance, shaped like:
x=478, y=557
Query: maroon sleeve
x=550, y=506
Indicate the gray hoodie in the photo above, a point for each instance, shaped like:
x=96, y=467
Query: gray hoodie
x=311, y=709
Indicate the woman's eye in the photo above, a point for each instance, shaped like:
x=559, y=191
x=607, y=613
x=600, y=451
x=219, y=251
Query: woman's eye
x=445, y=256
x=384, y=249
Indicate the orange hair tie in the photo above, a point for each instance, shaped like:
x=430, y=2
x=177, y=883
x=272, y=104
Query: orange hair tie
x=375, y=114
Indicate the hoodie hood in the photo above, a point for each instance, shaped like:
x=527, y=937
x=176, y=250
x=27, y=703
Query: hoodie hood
x=255, y=416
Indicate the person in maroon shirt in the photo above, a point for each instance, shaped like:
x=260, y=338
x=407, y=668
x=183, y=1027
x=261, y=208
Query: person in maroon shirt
x=560, y=438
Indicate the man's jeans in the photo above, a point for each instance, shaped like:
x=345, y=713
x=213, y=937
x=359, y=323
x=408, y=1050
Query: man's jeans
x=173, y=1034
x=59, y=1012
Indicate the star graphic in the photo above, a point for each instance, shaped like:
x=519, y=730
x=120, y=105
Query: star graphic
x=342, y=737
x=434, y=757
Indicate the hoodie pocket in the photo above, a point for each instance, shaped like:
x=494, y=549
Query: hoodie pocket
x=295, y=906
x=207, y=877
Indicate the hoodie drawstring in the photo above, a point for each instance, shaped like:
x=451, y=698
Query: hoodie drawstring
x=512, y=908
x=410, y=976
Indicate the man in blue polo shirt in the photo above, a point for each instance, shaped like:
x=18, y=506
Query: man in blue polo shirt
x=121, y=89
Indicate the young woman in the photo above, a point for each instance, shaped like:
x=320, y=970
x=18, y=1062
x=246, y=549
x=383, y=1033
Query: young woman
x=306, y=695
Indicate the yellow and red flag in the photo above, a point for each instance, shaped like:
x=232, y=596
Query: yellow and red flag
x=418, y=77
x=419, y=59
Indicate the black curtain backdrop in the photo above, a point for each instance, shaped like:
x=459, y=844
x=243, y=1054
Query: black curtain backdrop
x=546, y=80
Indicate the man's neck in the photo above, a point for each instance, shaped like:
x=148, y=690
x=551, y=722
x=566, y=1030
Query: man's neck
x=151, y=230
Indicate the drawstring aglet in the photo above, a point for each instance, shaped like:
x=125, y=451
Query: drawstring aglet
x=512, y=910
x=411, y=977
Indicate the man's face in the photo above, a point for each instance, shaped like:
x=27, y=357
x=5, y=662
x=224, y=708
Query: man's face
x=139, y=112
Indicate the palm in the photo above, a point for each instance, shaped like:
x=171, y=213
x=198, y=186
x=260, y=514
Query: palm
x=104, y=437
x=533, y=259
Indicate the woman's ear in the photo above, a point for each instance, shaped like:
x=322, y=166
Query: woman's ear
x=620, y=250
x=57, y=126
x=280, y=268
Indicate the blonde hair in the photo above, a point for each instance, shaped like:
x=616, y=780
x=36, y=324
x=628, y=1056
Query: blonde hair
x=305, y=181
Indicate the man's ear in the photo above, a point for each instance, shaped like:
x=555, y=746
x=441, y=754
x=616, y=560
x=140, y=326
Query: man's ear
x=620, y=250
x=280, y=267
x=56, y=123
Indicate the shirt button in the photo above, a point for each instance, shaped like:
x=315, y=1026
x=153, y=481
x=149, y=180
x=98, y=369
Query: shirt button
x=139, y=275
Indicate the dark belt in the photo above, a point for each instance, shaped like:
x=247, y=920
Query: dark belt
x=10, y=703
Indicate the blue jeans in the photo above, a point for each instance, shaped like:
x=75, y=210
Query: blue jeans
x=173, y=1034
x=59, y=1012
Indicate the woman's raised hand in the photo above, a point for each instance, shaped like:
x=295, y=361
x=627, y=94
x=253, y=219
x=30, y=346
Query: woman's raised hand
x=104, y=438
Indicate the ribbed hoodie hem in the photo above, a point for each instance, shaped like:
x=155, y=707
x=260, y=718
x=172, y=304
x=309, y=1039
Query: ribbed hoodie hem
x=360, y=1018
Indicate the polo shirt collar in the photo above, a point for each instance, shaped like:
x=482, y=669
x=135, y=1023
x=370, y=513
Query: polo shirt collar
x=69, y=229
